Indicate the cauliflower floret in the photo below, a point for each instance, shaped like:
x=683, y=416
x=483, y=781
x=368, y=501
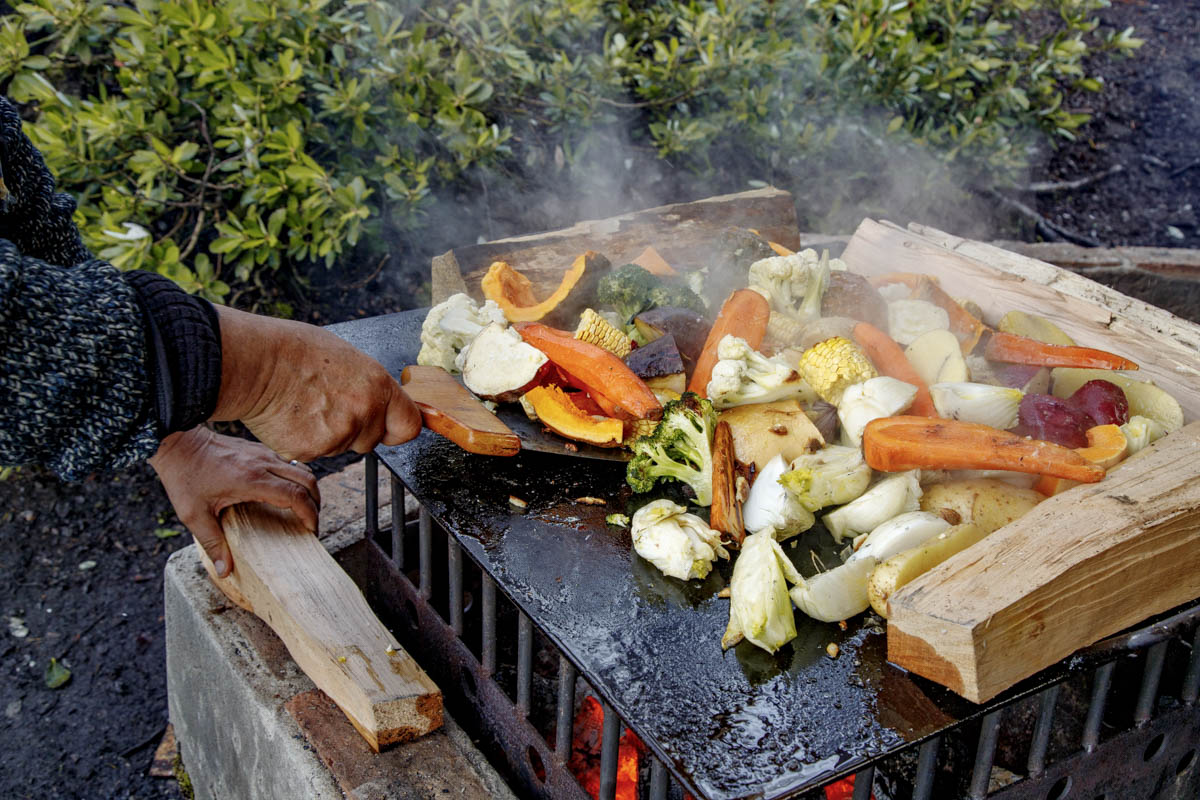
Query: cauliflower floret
x=743, y=375
x=795, y=284
x=679, y=544
x=450, y=326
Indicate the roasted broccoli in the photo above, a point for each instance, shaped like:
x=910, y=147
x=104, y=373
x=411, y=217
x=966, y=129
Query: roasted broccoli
x=680, y=448
x=670, y=295
x=631, y=290
x=626, y=290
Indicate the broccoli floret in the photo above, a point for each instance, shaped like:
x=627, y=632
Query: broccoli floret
x=626, y=290
x=680, y=448
x=675, y=296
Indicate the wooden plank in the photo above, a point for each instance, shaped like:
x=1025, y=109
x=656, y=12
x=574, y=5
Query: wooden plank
x=1165, y=346
x=1165, y=262
x=1078, y=567
x=682, y=233
x=285, y=576
x=449, y=409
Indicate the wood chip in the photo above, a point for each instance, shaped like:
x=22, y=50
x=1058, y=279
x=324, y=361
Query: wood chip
x=591, y=501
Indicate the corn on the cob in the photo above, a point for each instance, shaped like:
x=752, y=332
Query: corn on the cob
x=596, y=330
x=637, y=429
x=782, y=332
x=831, y=366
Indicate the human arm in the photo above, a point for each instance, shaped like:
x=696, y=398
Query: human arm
x=204, y=473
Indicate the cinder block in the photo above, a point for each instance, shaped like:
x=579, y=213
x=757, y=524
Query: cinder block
x=252, y=726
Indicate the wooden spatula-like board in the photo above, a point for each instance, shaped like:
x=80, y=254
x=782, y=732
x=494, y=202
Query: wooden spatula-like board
x=285, y=576
x=449, y=409
x=1083, y=564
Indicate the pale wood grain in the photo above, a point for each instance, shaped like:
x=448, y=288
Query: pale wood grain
x=1080, y=566
x=449, y=409
x=285, y=576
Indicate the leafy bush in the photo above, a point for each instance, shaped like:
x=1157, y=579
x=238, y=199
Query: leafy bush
x=218, y=142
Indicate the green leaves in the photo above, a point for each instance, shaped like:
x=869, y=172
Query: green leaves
x=56, y=675
x=236, y=139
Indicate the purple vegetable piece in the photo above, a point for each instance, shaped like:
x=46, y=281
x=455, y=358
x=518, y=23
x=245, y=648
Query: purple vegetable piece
x=1103, y=401
x=1052, y=419
x=1014, y=376
x=824, y=417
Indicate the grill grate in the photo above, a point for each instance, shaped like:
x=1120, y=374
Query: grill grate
x=1137, y=735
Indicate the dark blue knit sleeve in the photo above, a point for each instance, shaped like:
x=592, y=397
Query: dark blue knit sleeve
x=74, y=391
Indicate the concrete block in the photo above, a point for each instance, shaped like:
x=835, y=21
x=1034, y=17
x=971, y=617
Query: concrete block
x=251, y=725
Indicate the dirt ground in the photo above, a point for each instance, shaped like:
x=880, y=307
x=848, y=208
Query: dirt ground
x=81, y=564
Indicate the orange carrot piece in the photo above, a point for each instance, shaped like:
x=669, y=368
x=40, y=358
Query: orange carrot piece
x=1106, y=448
x=1012, y=349
x=894, y=444
x=725, y=514
x=963, y=324
x=744, y=314
x=890, y=360
x=611, y=383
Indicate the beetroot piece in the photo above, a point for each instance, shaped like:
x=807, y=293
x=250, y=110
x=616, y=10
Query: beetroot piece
x=1052, y=419
x=1103, y=401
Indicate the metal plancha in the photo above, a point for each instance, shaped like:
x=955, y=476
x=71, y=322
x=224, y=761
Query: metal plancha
x=728, y=724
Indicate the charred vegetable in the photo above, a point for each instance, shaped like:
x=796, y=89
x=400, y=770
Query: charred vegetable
x=764, y=430
x=500, y=366
x=513, y=291
x=659, y=364
x=560, y=414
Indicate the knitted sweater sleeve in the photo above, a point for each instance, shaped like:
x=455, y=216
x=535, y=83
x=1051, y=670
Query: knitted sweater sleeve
x=75, y=395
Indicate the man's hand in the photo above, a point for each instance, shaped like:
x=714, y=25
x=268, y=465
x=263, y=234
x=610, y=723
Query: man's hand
x=205, y=473
x=305, y=392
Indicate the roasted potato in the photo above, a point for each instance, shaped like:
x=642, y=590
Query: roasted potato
x=763, y=430
x=903, y=567
x=987, y=502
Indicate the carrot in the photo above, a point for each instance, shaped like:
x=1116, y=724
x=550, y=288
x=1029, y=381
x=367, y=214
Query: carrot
x=744, y=314
x=590, y=367
x=725, y=514
x=890, y=360
x=1012, y=349
x=894, y=444
x=963, y=324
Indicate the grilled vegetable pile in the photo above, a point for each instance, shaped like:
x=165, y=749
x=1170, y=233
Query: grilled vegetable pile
x=885, y=408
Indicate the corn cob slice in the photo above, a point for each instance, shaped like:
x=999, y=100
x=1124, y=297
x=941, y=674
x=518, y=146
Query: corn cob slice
x=638, y=428
x=782, y=332
x=596, y=330
x=832, y=366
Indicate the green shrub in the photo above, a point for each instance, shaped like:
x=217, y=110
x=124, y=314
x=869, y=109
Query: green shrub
x=218, y=142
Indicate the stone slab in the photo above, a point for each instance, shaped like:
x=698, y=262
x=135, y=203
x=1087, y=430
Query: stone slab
x=230, y=682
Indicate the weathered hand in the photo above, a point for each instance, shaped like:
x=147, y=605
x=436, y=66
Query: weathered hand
x=205, y=473
x=305, y=392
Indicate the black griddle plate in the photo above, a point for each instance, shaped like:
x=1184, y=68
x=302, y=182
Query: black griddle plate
x=730, y=724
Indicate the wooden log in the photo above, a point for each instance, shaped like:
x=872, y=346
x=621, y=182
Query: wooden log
x=682, y=233
x=1080, y=566
x=285, y=576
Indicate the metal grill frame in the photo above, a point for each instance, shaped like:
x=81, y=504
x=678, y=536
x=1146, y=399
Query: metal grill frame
x=1154, y=757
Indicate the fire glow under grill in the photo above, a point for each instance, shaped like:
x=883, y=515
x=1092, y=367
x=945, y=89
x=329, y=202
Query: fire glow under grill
x=593, y=630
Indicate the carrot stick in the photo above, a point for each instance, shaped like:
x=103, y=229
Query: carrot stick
x=725, y=514
x=1013, y=349
x=611, y=383
x=894, y=444
x=890, y=360
x=744, y=315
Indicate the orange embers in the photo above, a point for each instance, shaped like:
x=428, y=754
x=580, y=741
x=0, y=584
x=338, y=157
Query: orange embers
x=585, y=753
x=841, y=790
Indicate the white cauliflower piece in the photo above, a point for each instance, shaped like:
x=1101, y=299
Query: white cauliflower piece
x=795, y=284
x=450, y=326
x=681, y=545
x=742, y=375
x=908, y=319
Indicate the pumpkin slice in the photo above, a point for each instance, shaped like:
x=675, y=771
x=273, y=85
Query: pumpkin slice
x=514, y=292
x=655, y=264
x=558, y=413
x=1106, y=447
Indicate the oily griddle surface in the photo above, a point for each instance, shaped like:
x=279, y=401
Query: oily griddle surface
x=729, y=724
